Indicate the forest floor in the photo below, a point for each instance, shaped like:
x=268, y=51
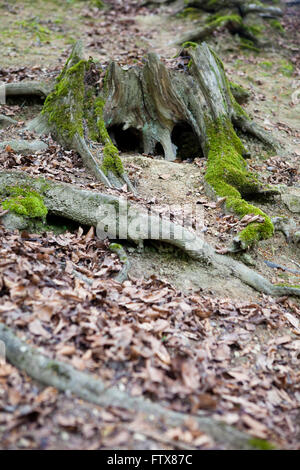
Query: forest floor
x=176, y=331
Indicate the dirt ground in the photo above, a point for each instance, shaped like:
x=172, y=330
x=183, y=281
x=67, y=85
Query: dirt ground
x=36, y=38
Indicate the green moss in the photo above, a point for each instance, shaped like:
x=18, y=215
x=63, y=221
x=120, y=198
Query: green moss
x=99, y=104
x=227, y=174
x=188, y=44
x=89, y=114
x=217, y=19
x=64, y=106
x=286, y=68
x=190, y=13
x=261, y=444
x=111, y=159
x=24, y=201
x=248, y=44
x=288, y=285
x=266, y=64
x=115, y=246
x=277, y=25
x=98, y=3
x=254, y=30
x=56, y=367
x=41, y=32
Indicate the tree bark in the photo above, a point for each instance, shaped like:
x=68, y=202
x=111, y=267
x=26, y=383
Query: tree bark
x=25, y=88
x=92, y=389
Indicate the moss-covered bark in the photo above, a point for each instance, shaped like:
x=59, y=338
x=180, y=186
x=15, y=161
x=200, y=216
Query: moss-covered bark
x=24, y=201
x=73, y=113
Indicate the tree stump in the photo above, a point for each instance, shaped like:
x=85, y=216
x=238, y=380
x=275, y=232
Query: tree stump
x=145, y=109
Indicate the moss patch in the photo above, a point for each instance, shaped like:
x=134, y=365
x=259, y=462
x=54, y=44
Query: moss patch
x=111, y=159
x=286, y=68
x=64, y=106
x=227, y=174
x=248, y=44
x=261, y=444
x=188, y=44
x=297, y=286
x=24, y=201
x=266, y=64
x=277, y=25
x=218, y=20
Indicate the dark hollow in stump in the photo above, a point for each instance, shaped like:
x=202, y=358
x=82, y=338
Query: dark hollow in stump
x=155, y=110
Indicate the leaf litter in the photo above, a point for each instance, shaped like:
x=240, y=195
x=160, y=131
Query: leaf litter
x=235, y=361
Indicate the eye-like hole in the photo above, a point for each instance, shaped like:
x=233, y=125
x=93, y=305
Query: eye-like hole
x=186, y=141
x=129, y=140
x=159, y=151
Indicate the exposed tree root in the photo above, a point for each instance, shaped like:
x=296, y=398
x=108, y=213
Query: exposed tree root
x=7, y=121
x=103, y=210
x=243, y=6
x=92, y=389
x=32, y=88
x=201, y=32
x=119, y=250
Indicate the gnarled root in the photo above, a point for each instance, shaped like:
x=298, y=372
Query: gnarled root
x=101, y=210
x=64, y=377
x=238, y=16
x=33, y=88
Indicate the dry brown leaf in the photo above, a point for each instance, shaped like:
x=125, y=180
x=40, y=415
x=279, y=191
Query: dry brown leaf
x=37, y=329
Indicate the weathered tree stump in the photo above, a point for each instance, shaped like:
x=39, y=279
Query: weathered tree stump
x=146, y=108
